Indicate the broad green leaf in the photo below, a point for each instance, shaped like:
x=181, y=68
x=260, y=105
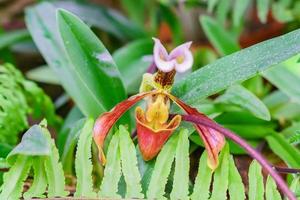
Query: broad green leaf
x=256, y=184
x=236, y=67
x=38, y=187
x=54, y=170
x=162, y=169
x=83, y=163
x=104, y=18
x=240, y=96
x=239, y=10
x=203, y=180
x=218, y=36
x=221, y=175
x=40, y=21
x=34, y=143
x=281, y=147
x=236, y=186
x=13, y=37
x=283, y=77
x=43, y=74
x=13, y=180
x=180, y=188
x=91, y=60
x=262, y=9
x=129, y=165
x=271, y=190
x=112, y=171
x=133, y=61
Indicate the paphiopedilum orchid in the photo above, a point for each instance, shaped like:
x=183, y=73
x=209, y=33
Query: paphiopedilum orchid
x=154, y=125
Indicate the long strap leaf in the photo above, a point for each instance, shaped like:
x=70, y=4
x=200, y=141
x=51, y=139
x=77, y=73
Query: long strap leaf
x=129, y=165
x=83, y=164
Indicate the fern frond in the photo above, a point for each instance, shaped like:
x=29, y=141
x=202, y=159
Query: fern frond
x=129, y=165
x=83, y=163
x=14, y=179
x=271, y=190
x=112, y=171
x=256, y=184
x=236, y=187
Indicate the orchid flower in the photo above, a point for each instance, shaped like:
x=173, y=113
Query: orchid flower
x=154, y=126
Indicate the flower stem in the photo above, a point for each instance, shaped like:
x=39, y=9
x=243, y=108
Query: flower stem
x=252, y=152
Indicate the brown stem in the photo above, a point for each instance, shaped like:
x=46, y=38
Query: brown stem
x=252, y=152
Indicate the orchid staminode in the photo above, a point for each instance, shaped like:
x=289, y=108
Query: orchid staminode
x=154, y=126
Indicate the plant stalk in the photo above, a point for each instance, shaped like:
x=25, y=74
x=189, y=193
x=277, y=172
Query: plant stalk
x=252, y=152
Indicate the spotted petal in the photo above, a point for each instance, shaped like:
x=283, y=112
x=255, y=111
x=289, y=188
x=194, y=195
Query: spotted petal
x=104, y=123
x=161, y=57
x=213, y=140
x=151, y=141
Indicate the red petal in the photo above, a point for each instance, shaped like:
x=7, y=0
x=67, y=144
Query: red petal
x=213, y=140
x=151, y=141
x=104, y=123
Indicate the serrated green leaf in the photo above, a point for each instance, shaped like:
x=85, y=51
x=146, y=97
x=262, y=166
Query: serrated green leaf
x=83, y=164
x=240, y=96
x=129, y=165
x=54, y=170
x=236, y=67
x=271, y=190
x=180, y=188
x=112, y=171
x=256, y=184
x=38, y=187
x=221, y=175
x=262, y=9
x=34, y=143
x=162, y=169
x=236, y=186
x=281, y=147
x=13, y=180
x=203, y=180
x=239, y=10
x=218, y=36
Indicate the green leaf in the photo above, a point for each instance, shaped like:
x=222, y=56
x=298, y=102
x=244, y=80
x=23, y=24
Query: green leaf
x=271, y=190
x=132, y=62
x=180, y=188
x=239, y=10
x=13, y=180
x=236, y=186
x=136, y=10
x=9, y=38
x=212, y=4
x=54, y=170
x=83, y=163
x=240, y=96
x=222, y=11
x=34, y=143
x=218, y=36
x=203, y=180
x=91, y=60
x=42, y=25
x=262, y=9
x=129, y=165
x=38, y=187
x=281, y=147
x=43, y=74
x=236, y=67
x=162, y=169
x=256, y=185
x=283, y=77
x=221, y=175
x=295, y=186
x=112, y=171
x=3, y=163
x=104, y=18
